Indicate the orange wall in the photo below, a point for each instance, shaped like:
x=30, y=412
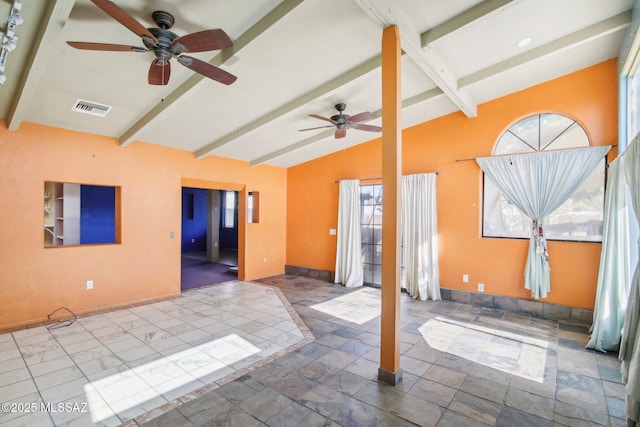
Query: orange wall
x=589, y=96
x=35, y=280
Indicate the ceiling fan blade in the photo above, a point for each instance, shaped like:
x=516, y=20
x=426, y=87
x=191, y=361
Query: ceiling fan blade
x=368, y=128
x=362, y=117
x=202, y=41
x=159, y=72
x=319, y=127
x=124, y=18
x=106, y=47
x=322, y=118
x=341, y=133
x=206, y=69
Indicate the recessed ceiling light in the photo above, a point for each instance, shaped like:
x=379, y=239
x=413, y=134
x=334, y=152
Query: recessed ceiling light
x=525, y=41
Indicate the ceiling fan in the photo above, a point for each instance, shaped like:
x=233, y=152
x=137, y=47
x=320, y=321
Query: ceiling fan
x=342, y=122
x=165, y=45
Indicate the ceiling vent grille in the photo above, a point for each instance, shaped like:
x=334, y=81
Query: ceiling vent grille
x=93, y=108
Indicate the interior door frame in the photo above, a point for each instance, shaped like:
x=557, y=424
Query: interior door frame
x=242, y=211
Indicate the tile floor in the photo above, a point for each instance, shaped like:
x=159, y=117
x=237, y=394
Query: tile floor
x=462, y=365
x=108, y=368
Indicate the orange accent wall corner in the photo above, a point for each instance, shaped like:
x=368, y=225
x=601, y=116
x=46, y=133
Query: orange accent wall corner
x=589, y=96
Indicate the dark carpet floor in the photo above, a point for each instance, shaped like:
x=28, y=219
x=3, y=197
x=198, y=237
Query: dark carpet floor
x=196, y=273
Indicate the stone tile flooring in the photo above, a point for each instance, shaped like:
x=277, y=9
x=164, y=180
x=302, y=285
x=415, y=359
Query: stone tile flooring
x=462, y=365
x=108, y=368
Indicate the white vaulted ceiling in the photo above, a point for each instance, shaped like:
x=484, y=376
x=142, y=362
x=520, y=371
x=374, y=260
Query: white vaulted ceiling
x=292, y=59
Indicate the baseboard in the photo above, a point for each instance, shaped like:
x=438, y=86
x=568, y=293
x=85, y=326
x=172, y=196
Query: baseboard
x=44, y=321
x=539, y=309
x=311, y=273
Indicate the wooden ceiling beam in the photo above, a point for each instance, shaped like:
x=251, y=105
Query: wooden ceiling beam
x=387, y=13
x=55, y=17
x=241, y=42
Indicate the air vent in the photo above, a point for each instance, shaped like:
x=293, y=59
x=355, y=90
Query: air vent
x=93, y=108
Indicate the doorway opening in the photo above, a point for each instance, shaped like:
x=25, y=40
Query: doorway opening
x=209, y=244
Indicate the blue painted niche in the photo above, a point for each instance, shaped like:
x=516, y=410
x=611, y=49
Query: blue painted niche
x=194, y=219
x=97, y=214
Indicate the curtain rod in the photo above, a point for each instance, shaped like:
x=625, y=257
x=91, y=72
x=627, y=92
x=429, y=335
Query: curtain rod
x=511, y=154
x=375, y=179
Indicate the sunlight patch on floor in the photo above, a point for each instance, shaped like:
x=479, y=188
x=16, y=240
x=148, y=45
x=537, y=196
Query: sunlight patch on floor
x=358, y=307
x=510, y=352
x=145, y=386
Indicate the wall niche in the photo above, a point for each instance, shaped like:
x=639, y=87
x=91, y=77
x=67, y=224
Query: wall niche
x=80, y=214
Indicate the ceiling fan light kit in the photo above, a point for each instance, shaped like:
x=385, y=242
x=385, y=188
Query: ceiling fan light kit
x=342, y=122
x=165, y=45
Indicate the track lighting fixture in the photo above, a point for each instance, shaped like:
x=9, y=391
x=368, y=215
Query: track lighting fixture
x=9, y=38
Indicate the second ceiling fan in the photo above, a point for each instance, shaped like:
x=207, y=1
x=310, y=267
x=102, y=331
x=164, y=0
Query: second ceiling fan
x=342, y=122
x=165, y=45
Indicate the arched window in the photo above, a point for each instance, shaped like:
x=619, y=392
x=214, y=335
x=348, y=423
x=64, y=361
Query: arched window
x=580, y=217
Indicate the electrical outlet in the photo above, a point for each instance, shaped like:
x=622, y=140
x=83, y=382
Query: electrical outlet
x=480, y=287
x=332, y=231
x=465, y=278
x=193, y=240
x=89, y=284
x=265, y=259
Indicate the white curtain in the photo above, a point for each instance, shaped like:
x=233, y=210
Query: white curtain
x=630, y=342
x=349, y=269
x=538, y=183
x=614, y=275
x=420, y=236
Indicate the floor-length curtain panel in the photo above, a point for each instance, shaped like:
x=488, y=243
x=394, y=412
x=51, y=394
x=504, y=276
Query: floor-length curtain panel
x=349, y=269
x=630, y=342
x=420, y=236
x=614, y=274
x=538, y=183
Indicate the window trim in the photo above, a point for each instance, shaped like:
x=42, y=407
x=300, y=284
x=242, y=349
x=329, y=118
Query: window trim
x=508, y=130
x=225, y=210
